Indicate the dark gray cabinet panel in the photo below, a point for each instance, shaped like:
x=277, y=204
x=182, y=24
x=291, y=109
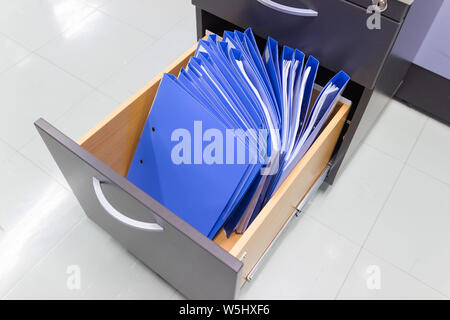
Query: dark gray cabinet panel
x=395, y=9
x=427, y=92
x=193, y=264
x=338, y=36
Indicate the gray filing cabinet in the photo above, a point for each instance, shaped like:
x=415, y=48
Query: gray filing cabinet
x=96, y=165
x=426, y=86
x=339, y=37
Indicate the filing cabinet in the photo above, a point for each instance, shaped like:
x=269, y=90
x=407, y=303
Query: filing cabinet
x=96, y=165
x=338, y=36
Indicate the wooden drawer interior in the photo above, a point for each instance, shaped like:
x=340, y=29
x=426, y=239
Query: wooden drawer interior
x=115, y=139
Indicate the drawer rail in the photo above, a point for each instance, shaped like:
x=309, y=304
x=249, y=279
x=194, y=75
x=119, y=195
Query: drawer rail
x=296, y=213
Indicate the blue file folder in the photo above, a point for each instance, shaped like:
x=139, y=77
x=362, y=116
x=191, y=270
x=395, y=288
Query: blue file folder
x=183, y=157
x=197, y=193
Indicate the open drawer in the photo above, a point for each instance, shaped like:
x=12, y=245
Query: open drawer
x=95, y=168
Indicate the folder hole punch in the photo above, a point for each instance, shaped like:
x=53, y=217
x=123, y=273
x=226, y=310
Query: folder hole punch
x=244, y=119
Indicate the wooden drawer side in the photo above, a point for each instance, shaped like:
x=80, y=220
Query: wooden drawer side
x=254, y=242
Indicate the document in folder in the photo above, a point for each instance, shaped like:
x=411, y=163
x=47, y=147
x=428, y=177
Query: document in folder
x=197, y=192
x=223, y=135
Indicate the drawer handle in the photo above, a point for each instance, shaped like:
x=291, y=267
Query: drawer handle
x=119, y=216
x=289, y=10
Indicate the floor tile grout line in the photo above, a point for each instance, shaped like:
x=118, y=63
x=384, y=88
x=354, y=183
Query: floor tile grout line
x=393, y=186
x=388, y=198
x=137, y=55
x=383, y=152
x=19, y=152
x=90, y=86
x=371, y=228
x=406, y=272
x=9, y=145
x=66, y=71
x=44, y=256
x=70, y=107
x=95, y=87
x=378, y=215
x=95, y=9
x=325, y=225
x=417, y=139
x=35, y=51
x=64, y=31
x=29, y=52
x=348, y=273
x=37, y=166
x=134, y=57
x=336, y=231
x=408, y=164
x=16, y=41
x=137, y=28
x=428, y=175
x=342, y=236
x=422, y=116
x=54, y=36
x=119, y=102
x=361, y=246
x=92, y=5
x=392, y=265
x=122, y=66
x=127, y=24
x=149, y=41
x=20, y=44
x=74, y=105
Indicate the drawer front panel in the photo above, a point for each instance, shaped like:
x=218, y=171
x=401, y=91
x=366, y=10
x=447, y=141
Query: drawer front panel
x=193, y=264
x=338, y=36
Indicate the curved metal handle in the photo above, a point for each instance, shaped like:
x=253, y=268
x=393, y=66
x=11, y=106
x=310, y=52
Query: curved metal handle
x=119, y=216
x=289, y=10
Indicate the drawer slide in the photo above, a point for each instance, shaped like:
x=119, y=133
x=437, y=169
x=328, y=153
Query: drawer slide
x=296, y=213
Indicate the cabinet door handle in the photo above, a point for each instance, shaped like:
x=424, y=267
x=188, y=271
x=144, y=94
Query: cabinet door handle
x=119, y=216
x=289, y=10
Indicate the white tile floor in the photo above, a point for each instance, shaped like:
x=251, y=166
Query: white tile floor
x=74, y=61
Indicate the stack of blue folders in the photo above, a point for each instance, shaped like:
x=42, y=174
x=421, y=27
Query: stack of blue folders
x=223, y=135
